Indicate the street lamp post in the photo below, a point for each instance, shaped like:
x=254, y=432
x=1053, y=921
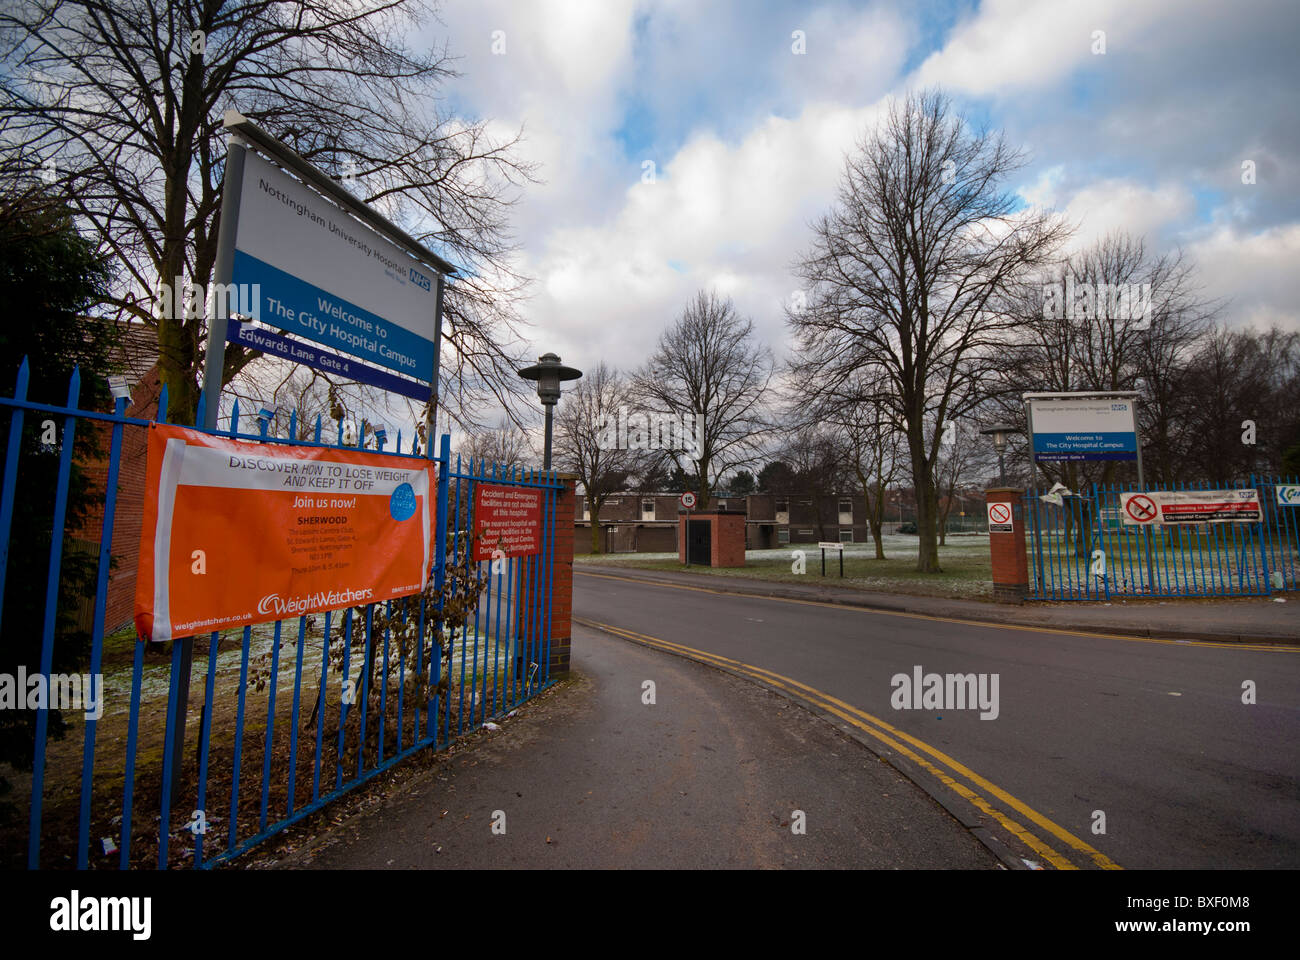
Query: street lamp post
x=1000, y=432
x=549, y=373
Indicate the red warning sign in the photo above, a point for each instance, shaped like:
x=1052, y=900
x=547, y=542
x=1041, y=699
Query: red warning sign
x=508, y=519
x=1139, y=509
x=1000, y=517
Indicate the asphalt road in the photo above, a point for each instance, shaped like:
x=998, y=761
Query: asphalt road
x=1153, y=734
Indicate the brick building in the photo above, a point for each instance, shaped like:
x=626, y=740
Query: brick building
x=647, y=522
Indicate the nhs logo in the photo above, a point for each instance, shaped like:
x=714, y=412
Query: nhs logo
x=419, y=279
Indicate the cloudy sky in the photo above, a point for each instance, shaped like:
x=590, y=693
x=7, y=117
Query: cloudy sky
x=746, y=137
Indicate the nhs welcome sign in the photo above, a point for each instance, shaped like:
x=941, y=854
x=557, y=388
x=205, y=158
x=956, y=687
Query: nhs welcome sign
x=1084, y=429
x=326, y=277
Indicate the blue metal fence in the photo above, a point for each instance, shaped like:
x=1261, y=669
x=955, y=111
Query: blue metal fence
x=1082, y=549
x=411, y=675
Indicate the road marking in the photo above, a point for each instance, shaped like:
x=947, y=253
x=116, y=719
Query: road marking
x=1270, y=647
x=869, y=724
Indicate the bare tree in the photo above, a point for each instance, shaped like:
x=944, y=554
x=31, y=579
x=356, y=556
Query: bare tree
x=815, y=457
x=707, y=364
x=868, y=441
x=874, y=451
x=1242, y=387
x=586, y=425
x=120, y=105
x=1105, y=343
x=903, y=270
x=961, y=455
x=505, y=446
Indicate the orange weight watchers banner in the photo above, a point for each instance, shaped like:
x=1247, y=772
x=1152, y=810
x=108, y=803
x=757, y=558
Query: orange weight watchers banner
x=237, y=532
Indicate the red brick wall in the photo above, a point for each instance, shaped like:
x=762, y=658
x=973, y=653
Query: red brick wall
x=128, y=514
x=729, y=540
x=561, y=576
x=1010, y=559
x=726, y=538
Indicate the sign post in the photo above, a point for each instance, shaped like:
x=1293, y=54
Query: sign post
x=334, y=270
x=688, y=501
x=825, y=545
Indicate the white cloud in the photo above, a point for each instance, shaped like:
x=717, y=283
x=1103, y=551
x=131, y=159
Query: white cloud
x=1016, y=44
x=1109, y=205
x=1255, y=273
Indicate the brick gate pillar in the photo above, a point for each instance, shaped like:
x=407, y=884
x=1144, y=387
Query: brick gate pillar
x=566, y=502
x=530, y=637
x=1007, y=543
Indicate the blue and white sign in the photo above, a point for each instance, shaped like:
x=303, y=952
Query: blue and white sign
x=1288, y=494
x=310, y=355
x=325, y=276
x=1087, y=429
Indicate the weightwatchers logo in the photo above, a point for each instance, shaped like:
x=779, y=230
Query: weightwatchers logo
x=274, y=603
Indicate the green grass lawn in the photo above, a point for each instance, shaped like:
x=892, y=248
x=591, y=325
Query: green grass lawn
x=966, y=569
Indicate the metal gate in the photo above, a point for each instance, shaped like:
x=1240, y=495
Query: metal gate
x=1082, y=549
x=283, y=717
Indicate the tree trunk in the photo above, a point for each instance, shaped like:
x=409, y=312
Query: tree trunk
x=927, y=508
x=876, y=520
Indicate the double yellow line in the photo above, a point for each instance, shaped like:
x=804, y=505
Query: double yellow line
x=899, y=741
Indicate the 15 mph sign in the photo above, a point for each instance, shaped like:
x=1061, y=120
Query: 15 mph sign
x=1000, y=518
x=688, y=500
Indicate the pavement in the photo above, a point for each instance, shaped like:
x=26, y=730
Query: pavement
x=1244, y=620
x=717, y=773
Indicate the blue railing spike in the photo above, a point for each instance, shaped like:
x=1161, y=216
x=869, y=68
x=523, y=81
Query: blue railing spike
x=24, y=375
x=201, y=413
x=162, y=404
x=234, y=418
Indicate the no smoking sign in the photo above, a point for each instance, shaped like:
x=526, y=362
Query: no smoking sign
x=1139, y=509
x=1000, y=517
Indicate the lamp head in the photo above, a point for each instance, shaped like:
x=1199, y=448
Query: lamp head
x=1000, y=432
x=549, y=373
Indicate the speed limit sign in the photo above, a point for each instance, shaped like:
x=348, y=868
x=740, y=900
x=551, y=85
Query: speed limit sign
x=688, y=500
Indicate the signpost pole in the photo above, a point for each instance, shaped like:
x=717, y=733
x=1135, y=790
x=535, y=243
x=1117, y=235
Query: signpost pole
x=1142, y=485
x=431, y=421
x=214, y=362
x=218, y=321
x=688, y=536
x=1032, y=502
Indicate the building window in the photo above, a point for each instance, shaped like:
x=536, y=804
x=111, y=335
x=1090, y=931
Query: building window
x=805, y=533
x=647, y=509
x=722, y=504
x=783, y=535
x=783, y=506
x=846, y=536
x=586, y=510
x=846, y=506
